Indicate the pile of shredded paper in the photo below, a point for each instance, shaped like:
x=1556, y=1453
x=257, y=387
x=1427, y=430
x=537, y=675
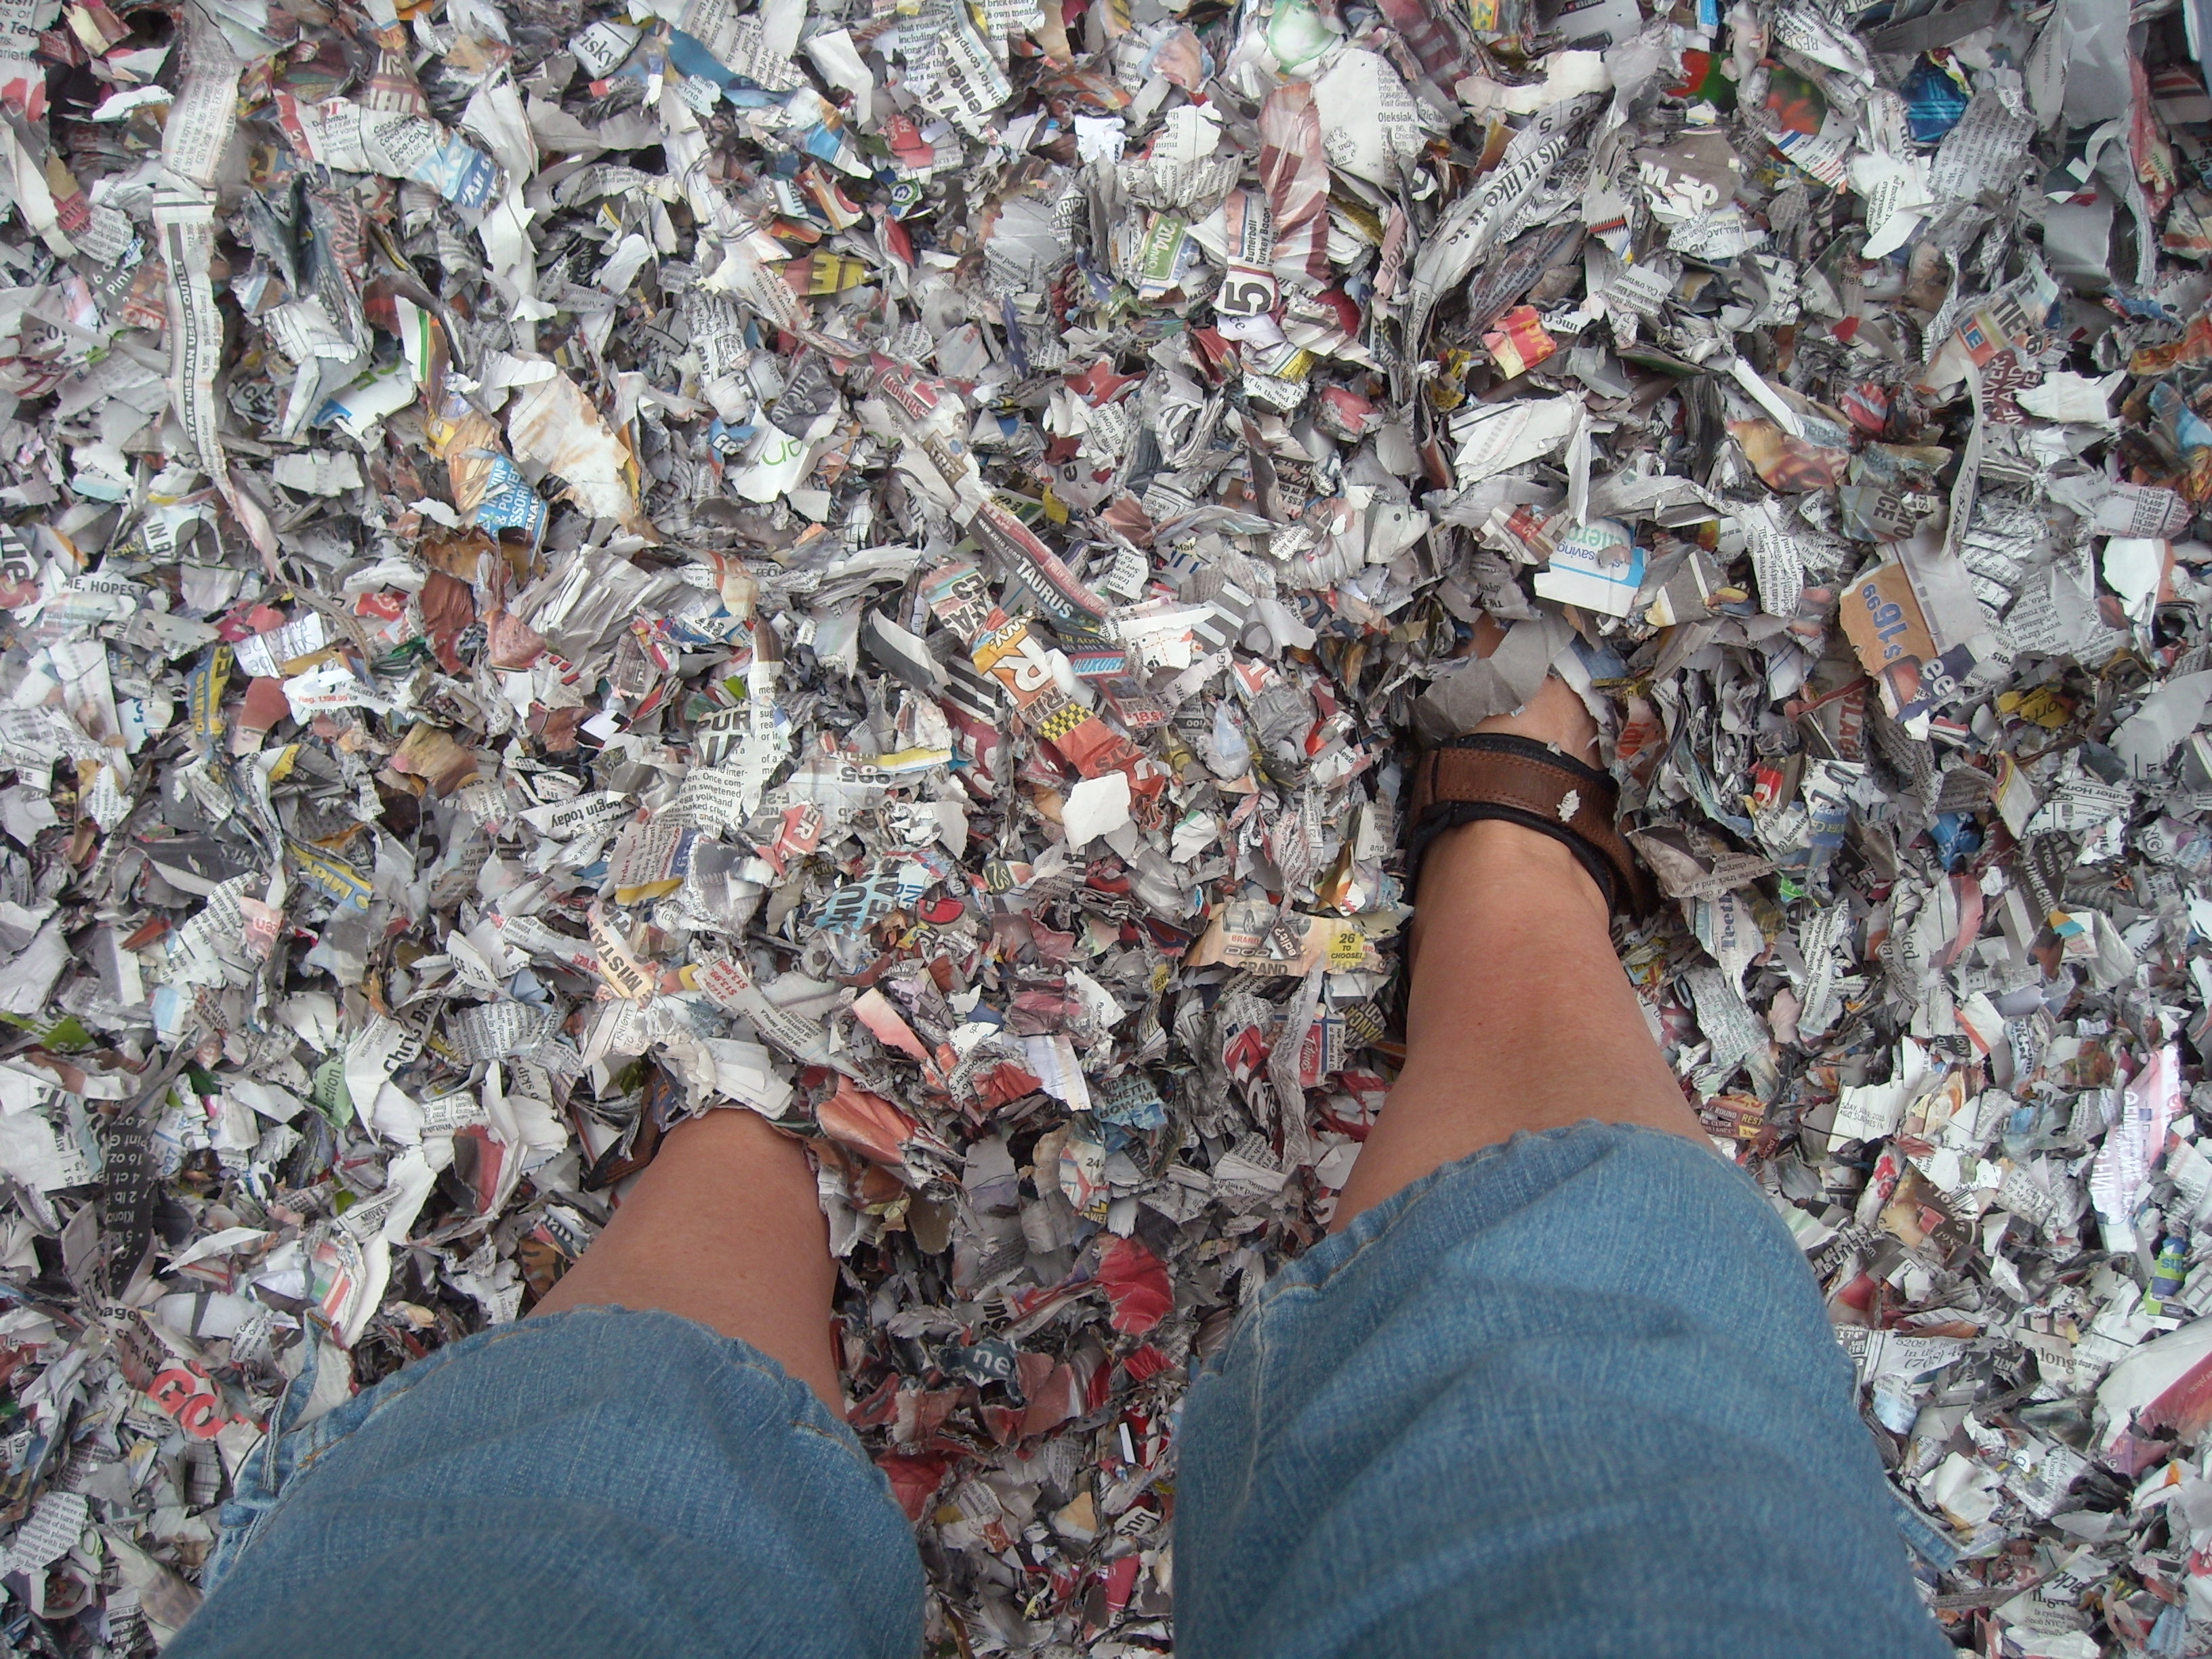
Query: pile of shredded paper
x=879, y=562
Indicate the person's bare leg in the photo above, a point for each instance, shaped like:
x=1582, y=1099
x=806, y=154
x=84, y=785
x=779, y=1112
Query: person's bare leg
x=1520, y=1015
x=723, y=1228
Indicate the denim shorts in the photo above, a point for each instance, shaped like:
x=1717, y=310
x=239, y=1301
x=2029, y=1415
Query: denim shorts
x=1574, y=1395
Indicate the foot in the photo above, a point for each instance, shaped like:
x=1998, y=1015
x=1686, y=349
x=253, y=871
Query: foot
x=1554, y=715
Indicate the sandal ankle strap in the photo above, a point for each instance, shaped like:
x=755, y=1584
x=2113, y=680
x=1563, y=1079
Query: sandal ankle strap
x=1496, y=775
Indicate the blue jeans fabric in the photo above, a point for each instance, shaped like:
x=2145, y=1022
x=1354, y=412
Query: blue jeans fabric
x=1574, y=1395
x=598, y=1484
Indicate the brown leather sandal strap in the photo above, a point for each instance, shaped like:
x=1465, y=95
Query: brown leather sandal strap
x=1495, y=775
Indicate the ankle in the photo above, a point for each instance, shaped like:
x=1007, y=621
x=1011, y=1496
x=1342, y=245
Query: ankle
x=1491, y=863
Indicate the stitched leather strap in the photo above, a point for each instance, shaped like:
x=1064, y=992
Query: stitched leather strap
x=1493, y=775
